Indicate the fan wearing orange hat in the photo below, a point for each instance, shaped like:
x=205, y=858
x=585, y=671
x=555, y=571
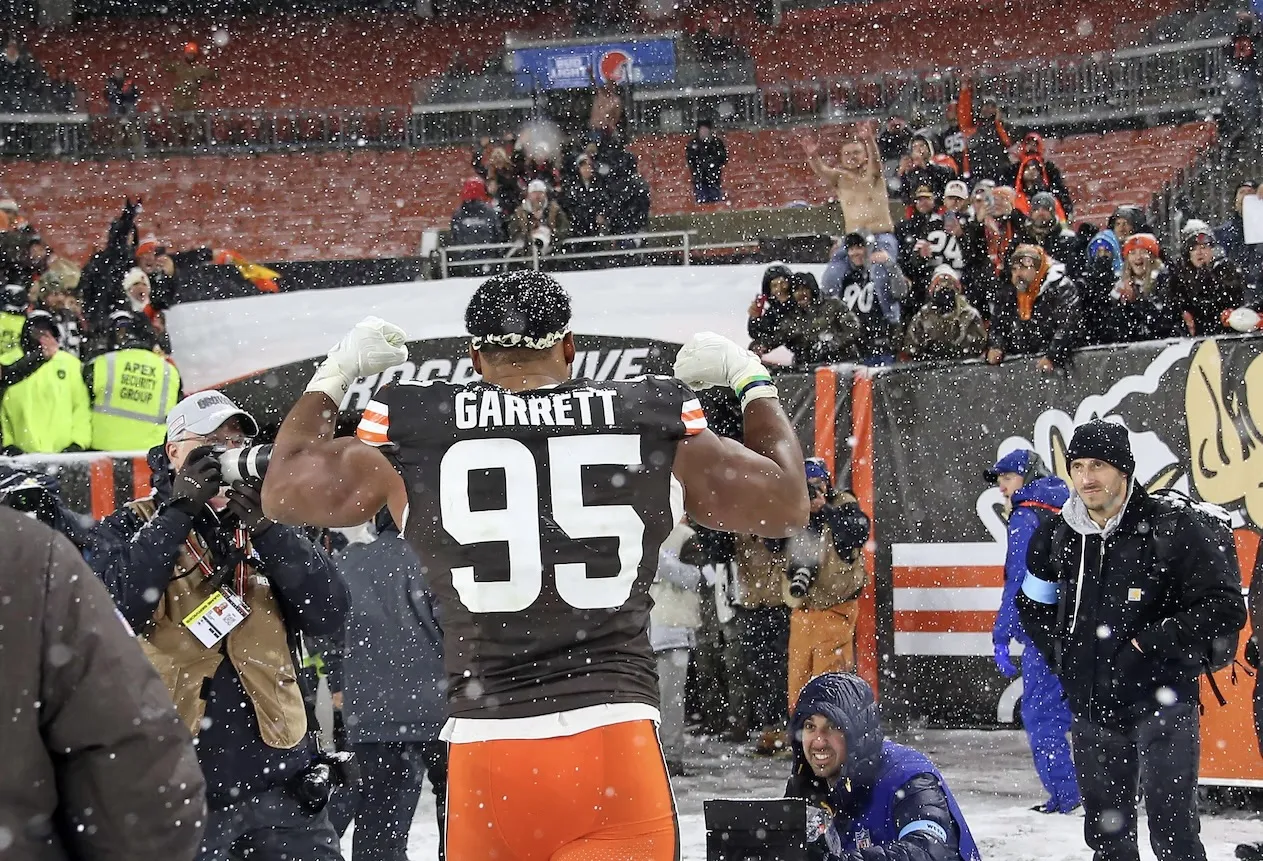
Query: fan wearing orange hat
x=1136, y=304
x=190, y=74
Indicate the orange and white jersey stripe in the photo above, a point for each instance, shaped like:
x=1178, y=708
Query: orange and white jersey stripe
x=374, y=426
x=693, y=417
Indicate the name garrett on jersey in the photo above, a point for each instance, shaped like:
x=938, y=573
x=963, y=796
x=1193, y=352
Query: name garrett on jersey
x=492, y=408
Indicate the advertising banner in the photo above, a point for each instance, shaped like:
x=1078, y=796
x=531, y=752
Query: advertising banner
x=648, y=60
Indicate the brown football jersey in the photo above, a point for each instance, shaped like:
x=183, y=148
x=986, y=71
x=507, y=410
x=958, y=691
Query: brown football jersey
x=537, y=517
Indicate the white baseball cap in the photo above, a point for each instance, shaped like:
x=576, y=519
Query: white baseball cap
x=956, y=188
x=204, y=413
x=537, y=185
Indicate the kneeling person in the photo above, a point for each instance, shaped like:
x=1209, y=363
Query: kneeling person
x=868, y=793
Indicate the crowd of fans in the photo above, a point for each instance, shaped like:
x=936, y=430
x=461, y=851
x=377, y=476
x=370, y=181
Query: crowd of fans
x=526, y=198
x=84, y=355
x=984, y=263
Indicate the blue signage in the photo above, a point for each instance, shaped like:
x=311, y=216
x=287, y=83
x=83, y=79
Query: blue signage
x=563, y=67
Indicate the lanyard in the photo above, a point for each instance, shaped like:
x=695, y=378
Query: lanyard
x=239, y=538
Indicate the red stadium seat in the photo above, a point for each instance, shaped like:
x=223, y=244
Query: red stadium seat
x=295, y=207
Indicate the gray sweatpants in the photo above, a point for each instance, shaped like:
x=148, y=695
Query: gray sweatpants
x=1160, y=757
x=673, y=669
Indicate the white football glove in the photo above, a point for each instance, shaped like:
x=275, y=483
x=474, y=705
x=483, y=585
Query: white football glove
x=713, y=360
x=371, y=347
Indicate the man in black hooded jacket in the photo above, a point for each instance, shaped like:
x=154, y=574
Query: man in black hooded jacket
x=869, y=798
x=1125, y=596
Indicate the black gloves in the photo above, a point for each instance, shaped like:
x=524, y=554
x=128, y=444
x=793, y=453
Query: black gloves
x=246, y=504
x=197, y=482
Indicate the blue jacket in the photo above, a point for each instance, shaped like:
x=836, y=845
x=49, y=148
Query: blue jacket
x=135, y=560
x=1032, y=503
x=891, y=802
x=393, y=685
x=1106, y=239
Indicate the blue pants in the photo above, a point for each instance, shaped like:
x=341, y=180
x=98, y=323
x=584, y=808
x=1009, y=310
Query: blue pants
x=1046, y=716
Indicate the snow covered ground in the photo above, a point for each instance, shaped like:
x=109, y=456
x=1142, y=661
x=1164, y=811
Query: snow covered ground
x=989, y=772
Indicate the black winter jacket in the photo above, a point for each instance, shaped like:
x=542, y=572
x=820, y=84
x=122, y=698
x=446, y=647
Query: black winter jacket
x=1172, y=612
x=584, y=203
x=476, y=222
x=1207, y=292
x=706, y=159
x=135, y=560
x=1108, y=319
x=1053, y=328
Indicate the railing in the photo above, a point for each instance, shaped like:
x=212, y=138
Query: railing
x=220, y=131
x=499, y=257
x=1150, y=84
x=1136, y=83
x=508, y=87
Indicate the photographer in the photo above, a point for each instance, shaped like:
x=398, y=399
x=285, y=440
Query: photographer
x=185, y=565
x=825, y=577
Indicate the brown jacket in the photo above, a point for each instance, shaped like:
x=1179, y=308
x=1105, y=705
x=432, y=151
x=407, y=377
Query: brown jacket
x=759, y=573
x=258, y=649
x=96, y=763
x=839, y=579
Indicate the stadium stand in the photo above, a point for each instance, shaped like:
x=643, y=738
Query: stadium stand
x=376, y=204
x=288, y=62
x=858, y=39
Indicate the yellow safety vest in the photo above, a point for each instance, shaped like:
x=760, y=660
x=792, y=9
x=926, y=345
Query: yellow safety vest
x=11, y=335
x=132, y=392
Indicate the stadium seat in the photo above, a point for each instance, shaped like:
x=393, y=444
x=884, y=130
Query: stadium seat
x=369, y=203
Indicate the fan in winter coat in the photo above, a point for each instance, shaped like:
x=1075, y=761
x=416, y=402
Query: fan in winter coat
x=867, y=794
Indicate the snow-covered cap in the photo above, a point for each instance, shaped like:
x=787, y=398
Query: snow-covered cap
x=537, y=185
x=943, y=270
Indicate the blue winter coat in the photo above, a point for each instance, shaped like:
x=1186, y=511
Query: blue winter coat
x=891, y=802
x=1032, y=504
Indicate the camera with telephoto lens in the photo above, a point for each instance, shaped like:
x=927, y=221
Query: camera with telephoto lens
x=800, y=580
x=243, y=464
x=313, y=787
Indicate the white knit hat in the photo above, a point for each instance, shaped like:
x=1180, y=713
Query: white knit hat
x=133, y=277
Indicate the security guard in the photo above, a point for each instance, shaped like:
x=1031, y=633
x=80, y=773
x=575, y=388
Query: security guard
x=13, y=301
x=47, y=412
x=132, y=388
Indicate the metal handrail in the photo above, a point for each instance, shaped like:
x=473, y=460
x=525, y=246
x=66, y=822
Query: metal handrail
x=446, y=264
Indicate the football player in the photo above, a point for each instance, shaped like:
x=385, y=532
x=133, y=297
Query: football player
x=538, y=503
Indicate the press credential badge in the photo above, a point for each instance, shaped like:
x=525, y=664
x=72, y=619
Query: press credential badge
x=215, y=617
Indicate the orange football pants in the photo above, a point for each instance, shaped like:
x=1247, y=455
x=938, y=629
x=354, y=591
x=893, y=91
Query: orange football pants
x=820, y=641
x=601, y=795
